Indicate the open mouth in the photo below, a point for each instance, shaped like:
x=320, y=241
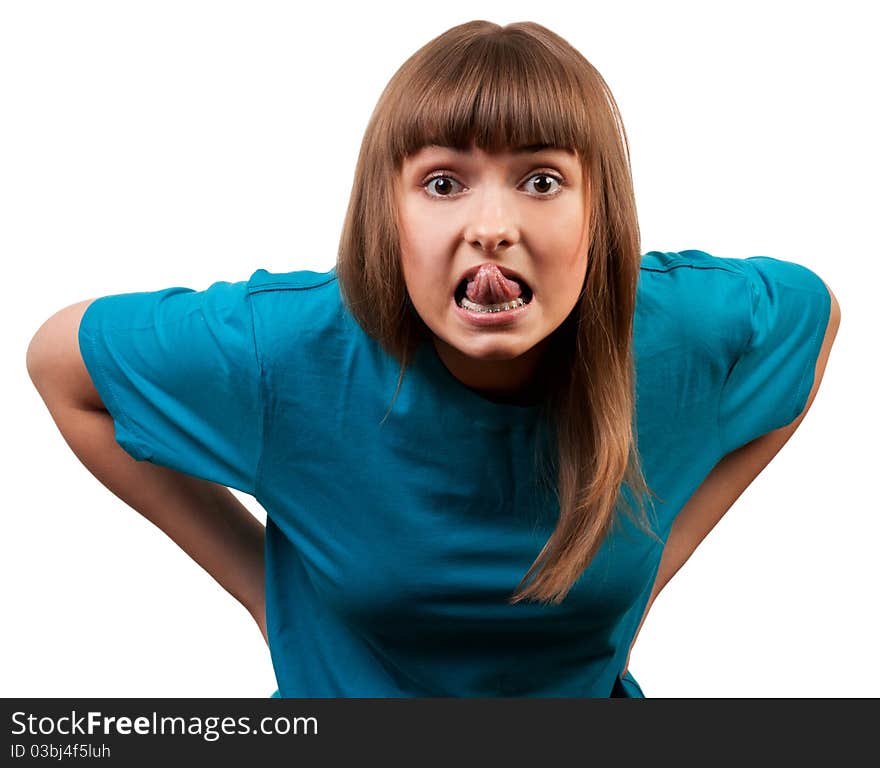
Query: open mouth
x=461, y=292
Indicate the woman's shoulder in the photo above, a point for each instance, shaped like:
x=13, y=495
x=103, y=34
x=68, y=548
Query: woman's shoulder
x=262, y=280
x=295, y=313
x=692, y=263
x=691, y=300
x=298, y=297
x=722, y=302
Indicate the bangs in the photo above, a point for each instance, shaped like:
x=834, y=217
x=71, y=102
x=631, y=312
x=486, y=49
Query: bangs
x=492, y=94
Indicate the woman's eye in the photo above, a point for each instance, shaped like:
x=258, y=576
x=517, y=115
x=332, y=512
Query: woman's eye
x=446, y=184
x=546, y=179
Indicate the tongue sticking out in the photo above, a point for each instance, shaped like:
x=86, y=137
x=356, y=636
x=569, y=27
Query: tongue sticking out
x=489, y=286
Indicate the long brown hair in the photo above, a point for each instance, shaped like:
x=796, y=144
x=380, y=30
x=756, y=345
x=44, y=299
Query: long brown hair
x=496, y=87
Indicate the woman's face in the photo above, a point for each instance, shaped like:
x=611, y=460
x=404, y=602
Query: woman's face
x=520, y=211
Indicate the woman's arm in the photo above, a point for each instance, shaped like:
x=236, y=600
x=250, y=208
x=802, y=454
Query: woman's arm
x=727, y=481
x=203, y=518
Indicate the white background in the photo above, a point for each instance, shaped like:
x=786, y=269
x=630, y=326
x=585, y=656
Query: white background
x=145, y=145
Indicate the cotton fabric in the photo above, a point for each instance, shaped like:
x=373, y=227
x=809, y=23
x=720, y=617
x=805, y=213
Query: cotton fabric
x=392, y=547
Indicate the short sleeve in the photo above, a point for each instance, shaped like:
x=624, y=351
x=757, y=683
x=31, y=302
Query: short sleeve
x=785, y=311
x=178, y=371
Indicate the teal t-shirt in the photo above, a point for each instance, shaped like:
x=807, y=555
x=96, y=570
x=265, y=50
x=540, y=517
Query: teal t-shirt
x=392, y=548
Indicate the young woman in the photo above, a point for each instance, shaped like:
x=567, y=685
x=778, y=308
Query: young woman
x=491, y=433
